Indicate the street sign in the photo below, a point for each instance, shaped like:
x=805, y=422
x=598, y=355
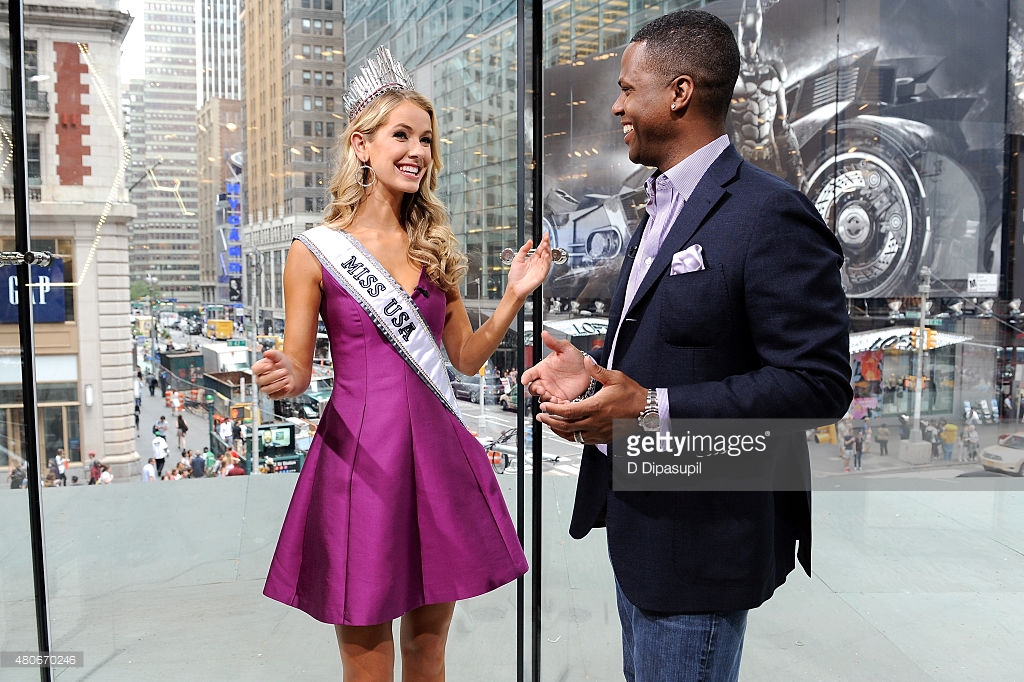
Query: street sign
x=236, y=342
x=982, y=283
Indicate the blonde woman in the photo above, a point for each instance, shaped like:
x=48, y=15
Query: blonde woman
x=396, y=513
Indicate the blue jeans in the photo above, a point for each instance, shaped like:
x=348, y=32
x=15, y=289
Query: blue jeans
x=689, y=647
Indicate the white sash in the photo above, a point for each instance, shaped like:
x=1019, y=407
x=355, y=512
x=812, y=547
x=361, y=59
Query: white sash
x=386, y=303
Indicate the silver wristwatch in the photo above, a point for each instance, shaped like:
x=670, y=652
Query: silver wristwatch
x=650, y=418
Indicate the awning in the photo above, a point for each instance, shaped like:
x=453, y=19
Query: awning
x=898, y=338
x=572, y=328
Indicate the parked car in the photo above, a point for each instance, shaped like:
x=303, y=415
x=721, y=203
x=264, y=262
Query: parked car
x=1006, y=456
x=467, y=387
x=510, y=400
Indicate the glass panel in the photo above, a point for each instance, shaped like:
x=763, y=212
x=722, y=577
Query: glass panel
x=171, y=162
x=846, y=109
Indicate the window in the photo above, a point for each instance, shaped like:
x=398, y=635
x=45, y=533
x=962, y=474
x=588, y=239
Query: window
x=305, y=77
x=329, y=104
x=329, y=78
x=330, y=129
x=307, y=128
x=31, y=69
x=305, y=25
x=307, y=103
x=32, y=152
x=329, y=28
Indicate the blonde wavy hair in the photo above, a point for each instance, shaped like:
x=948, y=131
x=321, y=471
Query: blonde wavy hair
x=432, y=243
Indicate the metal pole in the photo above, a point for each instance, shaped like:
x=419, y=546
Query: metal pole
x=209, y=412
x=23, y=243
x=536, y=72
x=256, y=416
x=922, y=333
x=526, y=401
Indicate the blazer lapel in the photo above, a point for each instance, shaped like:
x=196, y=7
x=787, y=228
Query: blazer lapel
x=618, y=298
x=705, y=195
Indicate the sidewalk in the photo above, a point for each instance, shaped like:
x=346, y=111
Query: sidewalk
x=152, y=408
x=826, y=460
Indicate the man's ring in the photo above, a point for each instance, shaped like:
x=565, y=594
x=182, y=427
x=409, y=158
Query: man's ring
x=578, y=437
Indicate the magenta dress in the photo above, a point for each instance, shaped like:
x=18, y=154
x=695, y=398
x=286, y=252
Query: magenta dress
x=396, y=506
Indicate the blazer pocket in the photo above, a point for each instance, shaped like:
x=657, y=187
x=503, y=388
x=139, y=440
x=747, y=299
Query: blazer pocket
x=693, y=307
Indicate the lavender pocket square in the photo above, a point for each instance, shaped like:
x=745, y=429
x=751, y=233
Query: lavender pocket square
x=688, y=260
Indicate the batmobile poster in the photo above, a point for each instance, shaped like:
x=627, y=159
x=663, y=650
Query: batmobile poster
x=890, y=122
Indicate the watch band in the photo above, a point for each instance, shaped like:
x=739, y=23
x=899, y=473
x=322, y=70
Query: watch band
x=650, y=418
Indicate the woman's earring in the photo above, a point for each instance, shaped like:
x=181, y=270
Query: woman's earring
x=364, y=171
x=673, y=107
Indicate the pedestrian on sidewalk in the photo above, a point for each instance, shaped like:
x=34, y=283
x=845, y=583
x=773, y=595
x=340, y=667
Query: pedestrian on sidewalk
x=159, y=453
x=61, y=463
x=149, y=471
x=849, y=444
x=970, y=441
x=882, y=438
x=161, y=427
x=859, y=440
x=182, y=432
x=948, y=437
x=95, y=470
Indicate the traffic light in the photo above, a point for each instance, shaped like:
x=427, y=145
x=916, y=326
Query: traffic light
x=931, y=339
x=913, y=337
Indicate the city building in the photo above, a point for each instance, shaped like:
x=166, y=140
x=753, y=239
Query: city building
x=165, y=236
x=78, y=210
x=293, y=70
x=220, y=163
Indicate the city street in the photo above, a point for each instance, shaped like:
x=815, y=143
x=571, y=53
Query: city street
x=562, y=458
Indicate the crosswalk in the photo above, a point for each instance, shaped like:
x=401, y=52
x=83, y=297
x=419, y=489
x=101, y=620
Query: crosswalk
x=560, y=457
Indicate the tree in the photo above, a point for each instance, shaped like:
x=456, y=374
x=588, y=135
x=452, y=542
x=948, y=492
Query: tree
x=139, y=290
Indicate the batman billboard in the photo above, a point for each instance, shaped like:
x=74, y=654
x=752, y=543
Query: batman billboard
x=892, y=123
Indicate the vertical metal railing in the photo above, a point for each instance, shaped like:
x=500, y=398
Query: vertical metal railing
x=530, y=60
x=23, y=244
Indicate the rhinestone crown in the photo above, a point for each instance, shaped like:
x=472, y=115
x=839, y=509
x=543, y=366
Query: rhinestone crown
x=380, y=75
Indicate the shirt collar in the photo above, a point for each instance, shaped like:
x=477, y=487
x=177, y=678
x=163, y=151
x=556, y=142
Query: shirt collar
x=682, y=178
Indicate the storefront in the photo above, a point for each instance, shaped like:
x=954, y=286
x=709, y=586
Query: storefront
x=885, y=373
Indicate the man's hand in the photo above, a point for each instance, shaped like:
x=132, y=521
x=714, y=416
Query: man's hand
x=275, y=375
x=590, y=420
x=560, y=376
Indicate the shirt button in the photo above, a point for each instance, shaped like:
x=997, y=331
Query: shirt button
x=648, y=260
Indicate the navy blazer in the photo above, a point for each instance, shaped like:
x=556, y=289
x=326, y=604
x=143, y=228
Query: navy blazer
x=762, y=331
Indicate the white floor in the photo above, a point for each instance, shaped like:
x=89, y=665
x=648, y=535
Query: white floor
x=163, y=581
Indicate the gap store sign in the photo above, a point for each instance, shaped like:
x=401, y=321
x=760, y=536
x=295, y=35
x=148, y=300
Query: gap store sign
x=47, y=299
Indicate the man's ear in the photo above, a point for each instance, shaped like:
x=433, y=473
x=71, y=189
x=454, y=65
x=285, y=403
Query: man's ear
x=682, y=94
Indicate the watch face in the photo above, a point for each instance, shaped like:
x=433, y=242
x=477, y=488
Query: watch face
x=650, y=421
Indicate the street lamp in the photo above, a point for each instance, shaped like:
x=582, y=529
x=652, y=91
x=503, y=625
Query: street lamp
x=924, y=289
x=151, y=281
x=209, y=412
